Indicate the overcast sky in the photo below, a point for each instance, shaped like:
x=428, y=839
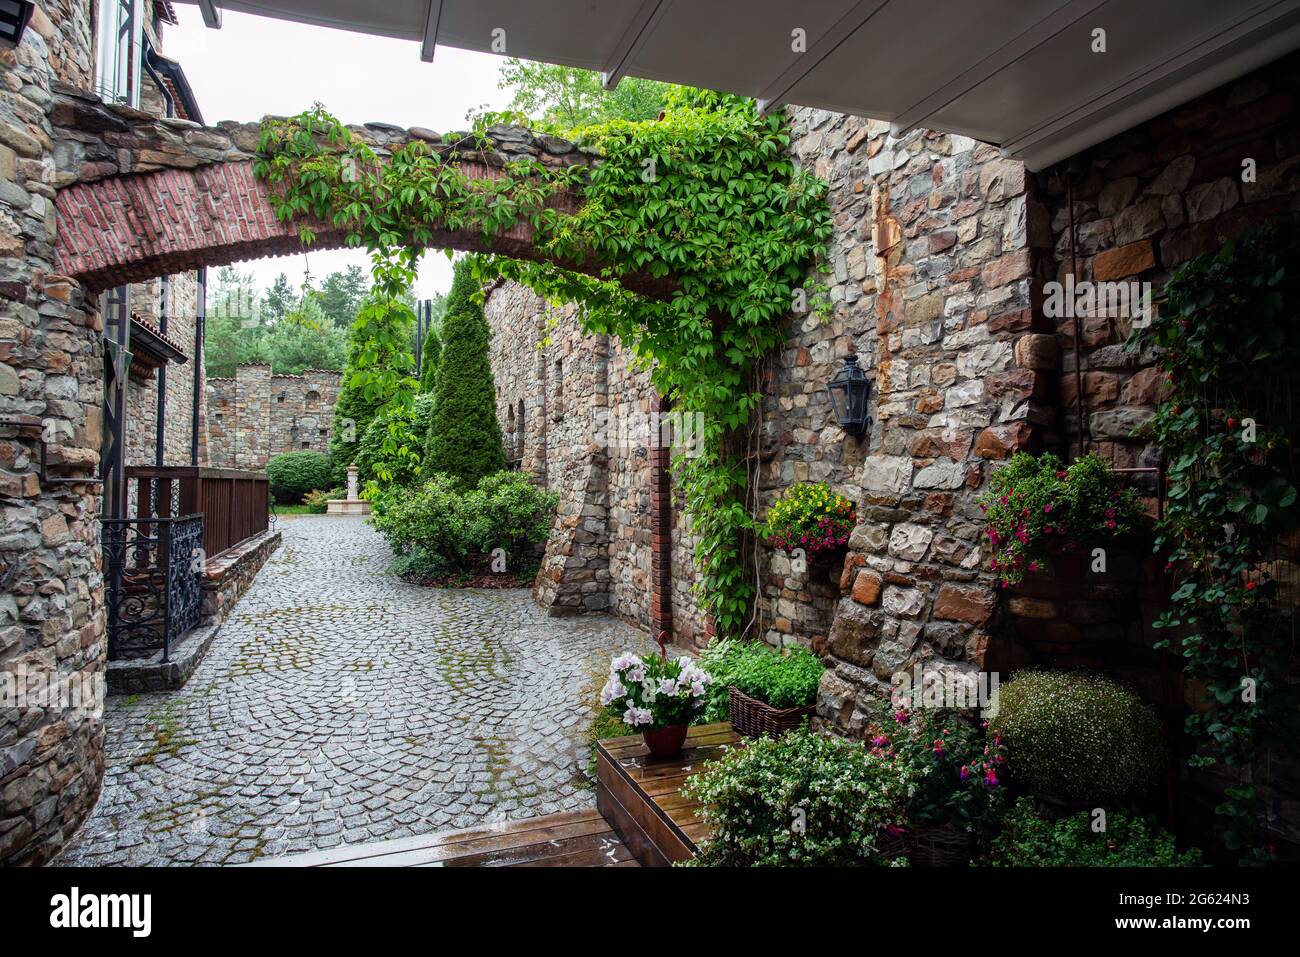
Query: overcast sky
x=253, y=66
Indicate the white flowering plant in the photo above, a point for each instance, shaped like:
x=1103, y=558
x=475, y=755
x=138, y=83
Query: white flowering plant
x=654, y=692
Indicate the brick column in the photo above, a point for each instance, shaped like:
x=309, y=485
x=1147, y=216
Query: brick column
x=661, y=533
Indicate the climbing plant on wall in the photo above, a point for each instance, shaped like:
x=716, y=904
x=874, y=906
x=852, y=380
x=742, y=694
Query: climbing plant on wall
x=706, y=199
x=1230, y=345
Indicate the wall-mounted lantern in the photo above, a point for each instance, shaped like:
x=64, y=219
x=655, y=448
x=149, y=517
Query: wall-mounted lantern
x=14, y=16
x=849, y=391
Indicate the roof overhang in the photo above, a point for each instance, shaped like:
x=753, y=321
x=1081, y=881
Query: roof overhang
x=151, y=349
x=1043, y=79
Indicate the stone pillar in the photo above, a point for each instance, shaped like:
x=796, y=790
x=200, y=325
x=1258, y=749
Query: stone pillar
x=352, y=483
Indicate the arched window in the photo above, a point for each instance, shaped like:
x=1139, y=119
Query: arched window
x=313, y=399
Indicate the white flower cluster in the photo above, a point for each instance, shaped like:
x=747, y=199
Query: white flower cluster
x=630, y=685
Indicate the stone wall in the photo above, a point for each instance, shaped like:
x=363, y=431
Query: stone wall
x=51, y=602
x=257, y=414
x=1151, y=199
x=577, y=415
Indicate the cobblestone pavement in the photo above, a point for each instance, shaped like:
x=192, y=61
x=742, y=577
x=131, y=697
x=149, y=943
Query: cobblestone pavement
x=340, y=704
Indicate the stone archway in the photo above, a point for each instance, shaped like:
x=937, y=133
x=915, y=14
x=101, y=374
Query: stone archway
x=139, y=196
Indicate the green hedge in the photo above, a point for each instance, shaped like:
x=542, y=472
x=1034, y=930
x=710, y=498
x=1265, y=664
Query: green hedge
x=293, y=474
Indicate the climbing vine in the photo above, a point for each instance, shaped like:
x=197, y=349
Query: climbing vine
x=1230, y=346
x=705, y=200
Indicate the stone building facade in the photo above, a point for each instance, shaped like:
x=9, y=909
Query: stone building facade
x=940, y=265
x=52, y=629
x=579, y=417
x=258, y=414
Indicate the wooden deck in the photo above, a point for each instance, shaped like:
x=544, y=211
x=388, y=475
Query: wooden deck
x=568, y=839
x=641, y=795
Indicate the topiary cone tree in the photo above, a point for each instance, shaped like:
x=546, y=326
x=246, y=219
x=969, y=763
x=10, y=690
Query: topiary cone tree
x=464, y=438
x=431, y=358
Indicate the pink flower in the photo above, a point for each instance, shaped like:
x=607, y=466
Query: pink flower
x=1047, y=530
x=880, y=741
x=1047, y=508
x=1110, y=513
x=1033, y=566
x=991, y=778
x=1110, y=524
x=1061, y=474
x=938, y=748
x=965, y=772
x=901, y=716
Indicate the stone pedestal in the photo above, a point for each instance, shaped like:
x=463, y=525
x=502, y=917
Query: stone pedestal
x=352, y=505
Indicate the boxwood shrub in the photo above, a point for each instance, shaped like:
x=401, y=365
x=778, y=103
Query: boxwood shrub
x=294, y=474
x=1078, y=736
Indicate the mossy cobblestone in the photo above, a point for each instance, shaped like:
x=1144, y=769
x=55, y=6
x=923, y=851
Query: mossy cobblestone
x=342, y=705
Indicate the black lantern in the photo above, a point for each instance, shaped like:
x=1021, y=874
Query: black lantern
x=849, y=390
x=14, y=15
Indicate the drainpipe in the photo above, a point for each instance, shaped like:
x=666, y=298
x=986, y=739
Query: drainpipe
x=160, y=426
x=200, y=324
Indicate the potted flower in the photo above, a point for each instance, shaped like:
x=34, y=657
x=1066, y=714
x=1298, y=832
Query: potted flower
x=809, y=516
x=657, y=695
x=768, y=691
x=1036, y=503
x=959, y=766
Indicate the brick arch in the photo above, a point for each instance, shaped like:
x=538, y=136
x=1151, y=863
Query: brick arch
x=138, y=197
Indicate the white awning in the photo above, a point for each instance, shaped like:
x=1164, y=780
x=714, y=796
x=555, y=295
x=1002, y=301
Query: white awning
x=1043, y=79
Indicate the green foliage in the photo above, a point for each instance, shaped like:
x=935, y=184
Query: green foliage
x=804, y=799
x=431, y=349
x=707, y=196
x=957, y=764
x=1027, y=840
x=564, y=98
x=1229, y=348
x=1079, y=736
x=317, y=501
x=293, y=474
x=390, y=449
x=279, y=299
x=377, y=378
x=1033, y=501
x=341, y=295
x=783, y=679
x=464, y=438
x=810, y=516
x=439, y=521
x=280, y=329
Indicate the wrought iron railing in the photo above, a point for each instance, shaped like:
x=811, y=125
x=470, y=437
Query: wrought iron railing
x=152, y=583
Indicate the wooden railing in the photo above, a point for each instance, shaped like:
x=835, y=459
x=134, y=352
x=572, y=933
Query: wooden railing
x=234, y=503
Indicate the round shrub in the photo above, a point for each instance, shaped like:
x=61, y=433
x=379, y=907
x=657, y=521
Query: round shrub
x=294, y=474
x=805, y=799
x=1078, y=736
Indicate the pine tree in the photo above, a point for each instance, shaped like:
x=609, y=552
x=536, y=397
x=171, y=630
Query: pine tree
x=464, y=436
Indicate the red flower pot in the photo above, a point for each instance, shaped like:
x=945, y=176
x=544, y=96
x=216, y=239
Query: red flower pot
x=665, y=742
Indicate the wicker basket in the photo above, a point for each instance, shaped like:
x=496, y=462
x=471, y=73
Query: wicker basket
x=941, y=846
x=752, y=718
